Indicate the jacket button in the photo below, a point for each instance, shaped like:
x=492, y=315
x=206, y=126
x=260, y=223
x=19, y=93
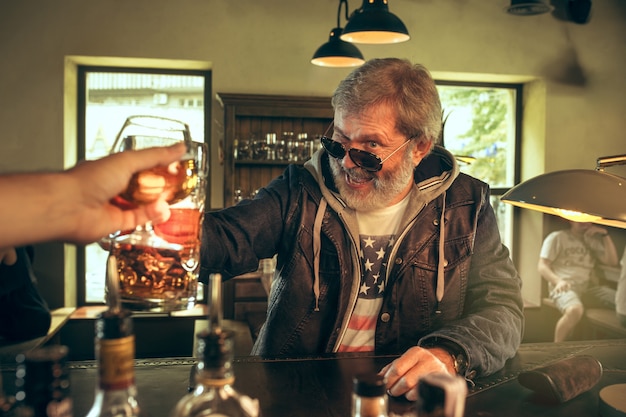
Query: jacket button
x=436, y=222
x=398, y=261
x=445, y=262
x=385, y=317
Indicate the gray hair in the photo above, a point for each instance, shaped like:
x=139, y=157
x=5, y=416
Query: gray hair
x=408, y=89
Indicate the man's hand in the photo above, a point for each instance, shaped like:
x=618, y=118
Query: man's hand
x=8, y=256
x=561, y=286
x=404, y=373
x=596, y=231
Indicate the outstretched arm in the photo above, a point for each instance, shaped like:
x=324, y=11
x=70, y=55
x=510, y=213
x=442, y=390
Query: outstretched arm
x=73, y=205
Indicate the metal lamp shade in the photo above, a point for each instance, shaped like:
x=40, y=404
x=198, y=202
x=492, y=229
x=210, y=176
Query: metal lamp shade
x=337, y=53
x=373, y=23
x=578, y=195
x=529, y=7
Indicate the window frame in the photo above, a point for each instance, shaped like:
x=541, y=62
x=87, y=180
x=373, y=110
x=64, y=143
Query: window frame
x=497, y=192
x=81, y=114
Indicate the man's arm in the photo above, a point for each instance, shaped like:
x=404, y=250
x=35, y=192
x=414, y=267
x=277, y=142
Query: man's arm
x=74, y=205
x=544, y=267
x=608, y=256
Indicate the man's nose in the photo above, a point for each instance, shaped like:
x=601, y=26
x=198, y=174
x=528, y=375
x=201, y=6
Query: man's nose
x=347, y=161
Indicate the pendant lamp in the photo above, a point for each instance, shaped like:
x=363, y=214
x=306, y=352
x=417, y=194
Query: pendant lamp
x=373, y=23
x=336, y=52
x=528, y=7
x=581, y=195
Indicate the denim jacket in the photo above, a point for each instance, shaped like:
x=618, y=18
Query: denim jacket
x=470, y=296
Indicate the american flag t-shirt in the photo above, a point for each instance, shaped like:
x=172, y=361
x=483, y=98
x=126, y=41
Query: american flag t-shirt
x=374, y=255
x=377, y=231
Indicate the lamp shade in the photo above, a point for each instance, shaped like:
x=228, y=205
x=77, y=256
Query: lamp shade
x=337, y=53
x=373, y=23
x=529, y=7
x=578, y=195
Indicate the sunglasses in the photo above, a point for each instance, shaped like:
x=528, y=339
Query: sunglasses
x=364, y=160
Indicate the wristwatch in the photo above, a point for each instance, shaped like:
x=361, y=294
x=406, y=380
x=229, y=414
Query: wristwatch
x=459, y=358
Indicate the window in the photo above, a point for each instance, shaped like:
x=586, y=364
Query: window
x=106, y=97
x=482, y=129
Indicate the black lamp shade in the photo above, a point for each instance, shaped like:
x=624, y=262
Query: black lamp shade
x=529, y=7
x=373, y=23
x=337, y=53
x=578, y=195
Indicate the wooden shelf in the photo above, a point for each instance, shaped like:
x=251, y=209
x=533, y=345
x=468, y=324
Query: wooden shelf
x=248, y=115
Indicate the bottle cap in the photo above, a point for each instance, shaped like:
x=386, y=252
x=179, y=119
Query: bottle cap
x=369, y=385
x=114, y=324
x=215, y=349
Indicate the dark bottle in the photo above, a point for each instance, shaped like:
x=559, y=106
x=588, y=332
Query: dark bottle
x=212, y=392
x=43, y=383
x=369, y=396
x=116, y=393
x=7, y=402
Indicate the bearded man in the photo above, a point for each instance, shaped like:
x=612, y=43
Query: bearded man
x=382, y=245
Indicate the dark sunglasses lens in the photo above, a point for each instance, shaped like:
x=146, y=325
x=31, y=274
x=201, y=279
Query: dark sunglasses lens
x=365, y=160
x=335, y=149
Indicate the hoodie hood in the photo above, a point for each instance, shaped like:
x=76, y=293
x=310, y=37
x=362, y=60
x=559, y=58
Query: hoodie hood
x=432, y=177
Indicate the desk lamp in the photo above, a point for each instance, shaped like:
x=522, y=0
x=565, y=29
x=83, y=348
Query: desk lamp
x=579, y=195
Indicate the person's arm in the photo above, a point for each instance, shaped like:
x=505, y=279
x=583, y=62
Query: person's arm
x=73, y=205
x=544, y=267
x=608, y=256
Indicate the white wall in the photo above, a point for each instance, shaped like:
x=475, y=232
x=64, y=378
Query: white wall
x=265, y=46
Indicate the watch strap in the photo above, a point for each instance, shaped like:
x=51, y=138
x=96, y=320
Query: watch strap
x=457, y=353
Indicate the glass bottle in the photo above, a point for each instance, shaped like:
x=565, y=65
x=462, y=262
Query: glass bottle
x=7, y=402
x=116, y=393
x=369, y=396
x=212, y=392
x=43, y=383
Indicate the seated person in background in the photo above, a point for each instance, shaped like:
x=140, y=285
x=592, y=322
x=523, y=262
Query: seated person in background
x=24, y=314
x=620, y=296
x=566, y=261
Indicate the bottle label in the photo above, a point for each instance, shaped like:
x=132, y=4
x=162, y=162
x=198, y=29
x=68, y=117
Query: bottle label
x=116, y=363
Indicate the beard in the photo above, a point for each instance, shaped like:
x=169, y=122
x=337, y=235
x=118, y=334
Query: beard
x=385, y=187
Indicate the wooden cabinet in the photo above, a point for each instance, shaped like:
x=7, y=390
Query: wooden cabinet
x=249, y=118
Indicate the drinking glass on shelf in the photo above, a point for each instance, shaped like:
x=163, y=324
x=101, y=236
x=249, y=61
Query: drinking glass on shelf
x=165, y=277
x=271, y=143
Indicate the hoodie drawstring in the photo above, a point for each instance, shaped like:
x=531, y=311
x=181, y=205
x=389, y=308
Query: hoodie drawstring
x=317, y=242
x=442, y=259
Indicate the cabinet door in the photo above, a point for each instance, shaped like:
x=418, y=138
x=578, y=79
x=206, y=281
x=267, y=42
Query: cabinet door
x=257, y=129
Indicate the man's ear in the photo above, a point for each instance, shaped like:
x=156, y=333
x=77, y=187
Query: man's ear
x=422, y=148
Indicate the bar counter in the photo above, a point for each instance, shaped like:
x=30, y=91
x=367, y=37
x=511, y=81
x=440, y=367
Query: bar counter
x=321, y=386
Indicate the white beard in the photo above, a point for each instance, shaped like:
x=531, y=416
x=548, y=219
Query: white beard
x=386, y=187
